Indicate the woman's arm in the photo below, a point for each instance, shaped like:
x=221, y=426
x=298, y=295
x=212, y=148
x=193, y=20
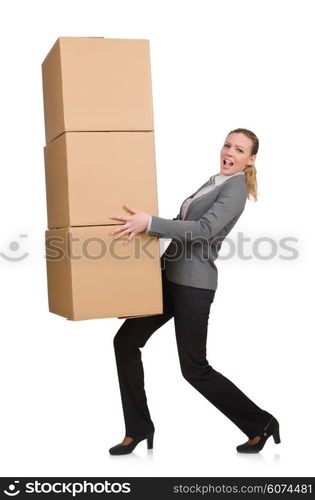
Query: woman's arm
x=150, y=220
x=230, y=203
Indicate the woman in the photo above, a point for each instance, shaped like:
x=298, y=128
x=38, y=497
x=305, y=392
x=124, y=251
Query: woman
x=189, y=280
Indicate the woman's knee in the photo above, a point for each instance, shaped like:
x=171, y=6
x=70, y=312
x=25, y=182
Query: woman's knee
x=135, y=332
x=127, y=337
x=197, y=371
x=121, y=340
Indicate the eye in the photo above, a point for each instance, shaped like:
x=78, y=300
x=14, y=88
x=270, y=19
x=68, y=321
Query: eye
x=240, y=150
x=226, y=145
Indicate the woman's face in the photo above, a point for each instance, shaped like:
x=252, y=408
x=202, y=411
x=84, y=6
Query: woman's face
x=236, y=154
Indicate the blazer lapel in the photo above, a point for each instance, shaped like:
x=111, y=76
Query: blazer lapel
x=205, y=184
x=202, y=196
x=191, y=205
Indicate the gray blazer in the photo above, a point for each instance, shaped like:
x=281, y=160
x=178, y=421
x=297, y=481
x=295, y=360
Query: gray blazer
x=196, y=241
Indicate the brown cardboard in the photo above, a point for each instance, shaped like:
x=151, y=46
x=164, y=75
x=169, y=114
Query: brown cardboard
x=90, y=175
x=97, y=84
x=90, y=275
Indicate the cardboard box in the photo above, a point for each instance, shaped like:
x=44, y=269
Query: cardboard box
x=97, y=84
x=90, y=275
x=90, y=175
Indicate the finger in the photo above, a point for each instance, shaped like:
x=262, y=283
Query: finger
x=130, y=209
x=131, y=235
x=118, y=229
x=118, y=217
x=122, y=233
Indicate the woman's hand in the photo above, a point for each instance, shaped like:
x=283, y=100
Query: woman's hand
x=135, y=223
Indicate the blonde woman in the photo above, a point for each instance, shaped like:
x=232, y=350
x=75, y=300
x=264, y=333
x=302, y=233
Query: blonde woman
x=189, y=278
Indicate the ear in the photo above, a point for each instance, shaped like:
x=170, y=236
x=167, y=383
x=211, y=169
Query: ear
x=252, y=159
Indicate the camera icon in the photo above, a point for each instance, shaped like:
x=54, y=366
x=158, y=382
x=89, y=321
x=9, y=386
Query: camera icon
x=12, y=489
x=13, y=248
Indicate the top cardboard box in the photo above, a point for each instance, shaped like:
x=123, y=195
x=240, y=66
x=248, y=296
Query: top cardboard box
x=97, y=84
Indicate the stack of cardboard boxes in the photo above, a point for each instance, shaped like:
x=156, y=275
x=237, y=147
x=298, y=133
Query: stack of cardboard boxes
x=99, y=155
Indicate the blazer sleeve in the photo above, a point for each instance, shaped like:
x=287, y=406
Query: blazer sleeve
x=150, y=220
x=229, y=204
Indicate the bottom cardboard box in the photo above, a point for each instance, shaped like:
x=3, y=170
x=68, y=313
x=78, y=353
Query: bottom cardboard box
x=90, y=275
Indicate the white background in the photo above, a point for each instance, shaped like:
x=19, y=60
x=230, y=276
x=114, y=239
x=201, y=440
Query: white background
x=216, y=65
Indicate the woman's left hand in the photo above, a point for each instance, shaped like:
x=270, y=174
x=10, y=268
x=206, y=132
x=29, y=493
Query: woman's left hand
x=135, y=223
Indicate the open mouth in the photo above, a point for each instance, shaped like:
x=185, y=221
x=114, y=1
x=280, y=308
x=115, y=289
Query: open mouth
x=228, y=163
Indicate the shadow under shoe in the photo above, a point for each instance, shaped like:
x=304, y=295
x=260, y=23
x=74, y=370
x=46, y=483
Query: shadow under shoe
x=271, y=429
x=124, y=449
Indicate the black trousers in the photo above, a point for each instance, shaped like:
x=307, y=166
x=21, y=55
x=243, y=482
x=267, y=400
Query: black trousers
x=190, y=307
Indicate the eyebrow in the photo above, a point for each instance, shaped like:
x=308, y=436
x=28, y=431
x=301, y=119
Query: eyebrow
x=227, y=142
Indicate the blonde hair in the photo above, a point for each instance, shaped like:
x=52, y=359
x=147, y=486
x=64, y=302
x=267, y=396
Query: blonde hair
x=250, y=170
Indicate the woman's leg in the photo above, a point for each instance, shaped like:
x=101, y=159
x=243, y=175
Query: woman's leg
x=132, y=335
x=191, y=313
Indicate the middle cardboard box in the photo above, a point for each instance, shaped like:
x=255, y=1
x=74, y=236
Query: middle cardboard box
x=90, y=175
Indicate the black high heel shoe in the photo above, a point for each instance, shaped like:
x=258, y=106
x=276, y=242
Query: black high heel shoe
x=123, y=449
x=271, y=429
